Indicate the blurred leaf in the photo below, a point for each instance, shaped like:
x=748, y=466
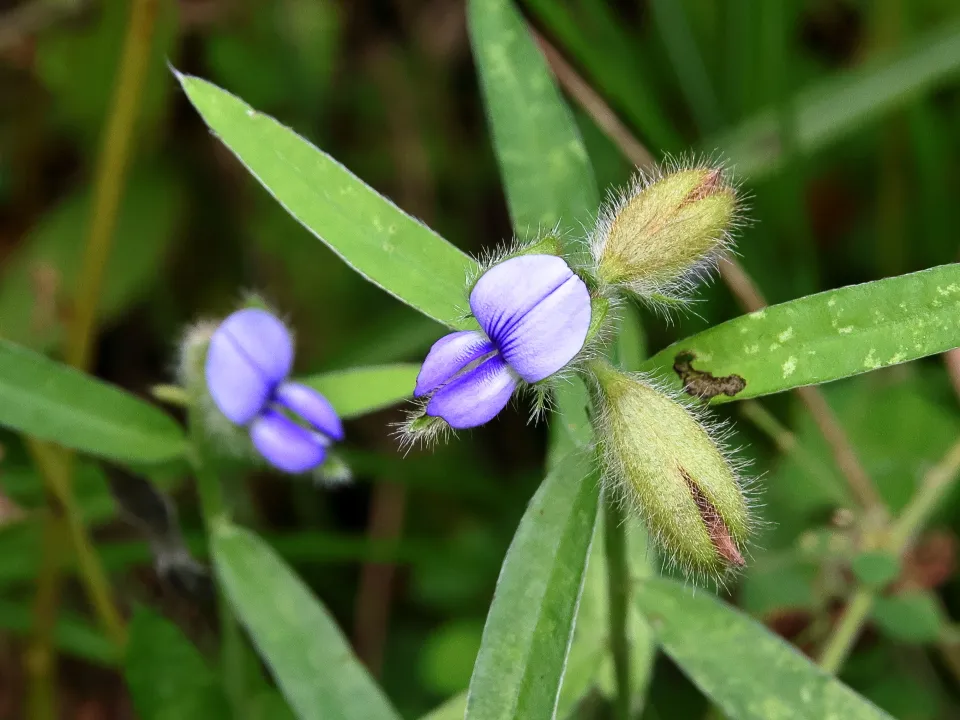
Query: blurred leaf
x=270, y=705
x=876, y=567
x=78, y=66
x=542, y=160
x=750, y=673
x=167, y=676
x=528, y=631
x=448, y=654
x=308, y=655
x=371, y=234
x=359, y=391
x=843, y=103
x=824, y=337
x=39, y=280
x=898, y=428
x=911, y=617
x=54, y=402
x=73, y=635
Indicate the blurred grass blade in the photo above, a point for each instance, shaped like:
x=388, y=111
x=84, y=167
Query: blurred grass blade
x=372, y=235
x=41, y=277
x=749, y=672
x=527, y=635
x=820, y=338
x=359, y=391
x=54, y=402
x=167, y=676
x=306, y=651
x=544, y=165
x=843, y=103
x=599, y=43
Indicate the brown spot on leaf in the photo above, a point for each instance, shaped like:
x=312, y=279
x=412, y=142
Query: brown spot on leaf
x=702, y=384
x=716, y=527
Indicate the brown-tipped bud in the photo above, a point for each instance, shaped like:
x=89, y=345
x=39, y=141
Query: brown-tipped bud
x=663, y=233
x=667, y=465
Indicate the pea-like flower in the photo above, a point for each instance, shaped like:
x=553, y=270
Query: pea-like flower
x=248, y=360
x=535, y=315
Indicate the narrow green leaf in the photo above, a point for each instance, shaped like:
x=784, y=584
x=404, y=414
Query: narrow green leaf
x=544, y=165
x=359, y=391
x=372, y=235
x=843, y=103
x=749, y=672
x=529, y=627
x=54, y=402
x=820, y=338
x=310, y=658
x=167, y=676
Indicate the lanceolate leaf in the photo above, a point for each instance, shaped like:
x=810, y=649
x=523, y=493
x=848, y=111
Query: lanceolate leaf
x=167, y=676
x=544, y=165
x=749, y=672
x=527, y=635
x=371, y=234
x=54, y=402
x=364, y=390
x=309, y=656
x=819, y=338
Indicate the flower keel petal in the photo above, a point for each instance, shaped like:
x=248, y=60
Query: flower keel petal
x=286, y=445
x=551, y=334
x=476, y=396
x=508, y=291
x=312, y=407
x=448, y=356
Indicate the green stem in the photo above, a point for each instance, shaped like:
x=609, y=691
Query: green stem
x=40, y=662
x=618, y=592
x=935, y=485
x=838, y=647
x=214, y=509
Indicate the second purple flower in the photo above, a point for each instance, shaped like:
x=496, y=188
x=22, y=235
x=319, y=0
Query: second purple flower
x=535, y=315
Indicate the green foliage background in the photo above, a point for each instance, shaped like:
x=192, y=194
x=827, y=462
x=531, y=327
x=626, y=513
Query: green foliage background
x=840, y=117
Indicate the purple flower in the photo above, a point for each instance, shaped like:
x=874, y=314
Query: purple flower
x=535, y=314
x=249, y=358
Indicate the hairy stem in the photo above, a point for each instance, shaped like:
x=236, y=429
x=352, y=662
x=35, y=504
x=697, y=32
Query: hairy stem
x=618, y=592
x=214, y=509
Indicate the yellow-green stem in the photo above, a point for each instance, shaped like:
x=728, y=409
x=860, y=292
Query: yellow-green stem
x=110, y=178
x=935, y=485
x=214, y=509
x=56, y=466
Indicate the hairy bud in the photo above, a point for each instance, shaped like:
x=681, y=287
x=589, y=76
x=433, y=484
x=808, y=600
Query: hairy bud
x=665, y=232
x=663, y=461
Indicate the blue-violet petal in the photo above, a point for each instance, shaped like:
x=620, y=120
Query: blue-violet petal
x=549, y=336
x=476, y=396
x=508, y=291
x=286, y=445
x=448, y=356
x=312, y=407
x=249, y=353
